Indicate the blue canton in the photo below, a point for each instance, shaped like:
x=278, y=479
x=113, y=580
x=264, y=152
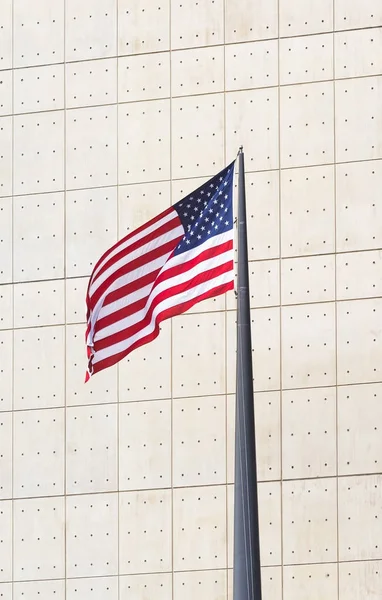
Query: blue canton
x=207, y=211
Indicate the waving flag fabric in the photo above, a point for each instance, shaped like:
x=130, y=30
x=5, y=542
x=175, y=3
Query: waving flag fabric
x=182, y=256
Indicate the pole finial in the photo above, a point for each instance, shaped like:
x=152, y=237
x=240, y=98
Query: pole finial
x=240, y=150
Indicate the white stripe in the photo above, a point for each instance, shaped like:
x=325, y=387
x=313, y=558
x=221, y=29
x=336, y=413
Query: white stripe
x=135, y=238
x=109, y=309
x=120, y=282
x=183, y=257
x=190, y=294
x=161, y=262
x=136, y=274
x=148, y=247
x=138, y=316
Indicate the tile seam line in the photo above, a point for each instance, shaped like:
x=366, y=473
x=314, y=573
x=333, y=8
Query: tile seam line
x=350, y=384
x=334, y=47
x=13, y=321
x=227, y=557
x=185, y=179
x=238, y=90
x=261, y=391
x=255, y=261
x=179, y=572
x=211, y=570
x=219, y=395
x=190, y=48
x=65, y=465
x=213, y=312
x=118, y=404
x=251, y=261
x=280, y=282
x=221, y=485
x=171, y=168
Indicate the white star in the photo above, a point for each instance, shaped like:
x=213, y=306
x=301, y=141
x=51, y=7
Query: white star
x=196, y=209
x=226, y=183
x=211, y=185
x=191, y=233
x=220, y=193
x=188, y=242
x=206, y=219
x=210, y=211
x=185, y=214
x=221, y=218
x=199, y=237
x=192, y=218
x=226, y=197
x=222, y=206
x=216, y=226
x=221, y=179
x=199, y=200
x=188, y=205
x=209, y=194
x=209, y=232
x=203, y=228
x=226, y=223
x=215, y=201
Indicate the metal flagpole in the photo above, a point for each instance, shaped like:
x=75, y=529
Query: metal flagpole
x=246, y=565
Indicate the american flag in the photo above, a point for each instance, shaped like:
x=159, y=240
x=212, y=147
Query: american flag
x=182, y=256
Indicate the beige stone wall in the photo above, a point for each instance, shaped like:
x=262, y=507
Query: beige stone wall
x=111, y=110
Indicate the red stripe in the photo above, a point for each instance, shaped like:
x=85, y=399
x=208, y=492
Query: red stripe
x=199, y=279
x=118, y=244
x=122, y=313
x=168, y=313
x=129, y=288
x=138, y=262
x=133, y=233
x=150, y=237
x=124, y=291
x=192, y=262
x=126, y=311
x=128, y=332
x=125, y=334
